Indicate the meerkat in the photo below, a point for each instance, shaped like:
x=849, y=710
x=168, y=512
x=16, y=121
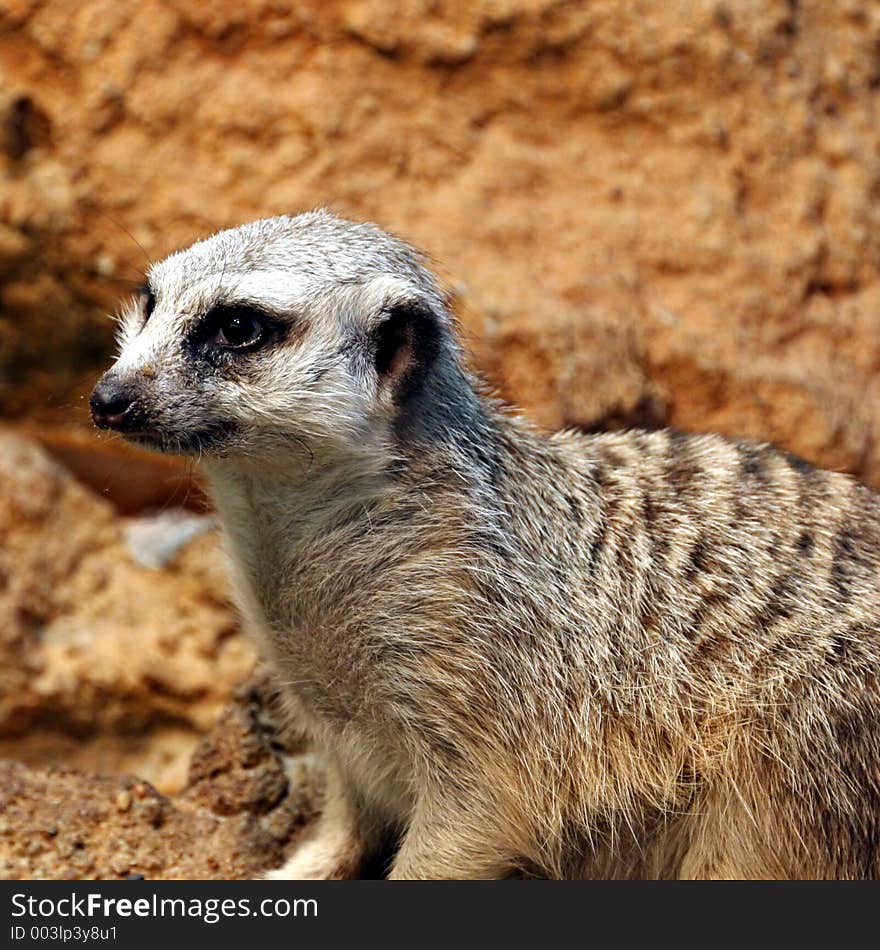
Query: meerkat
x=621, y=655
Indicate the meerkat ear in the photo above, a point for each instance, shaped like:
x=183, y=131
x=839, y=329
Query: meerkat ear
x=405, y=344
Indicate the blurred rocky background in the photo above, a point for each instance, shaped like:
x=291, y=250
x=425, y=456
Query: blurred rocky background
x=649, y=213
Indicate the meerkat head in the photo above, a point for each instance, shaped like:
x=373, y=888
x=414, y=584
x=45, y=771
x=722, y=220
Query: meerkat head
x=303, y=331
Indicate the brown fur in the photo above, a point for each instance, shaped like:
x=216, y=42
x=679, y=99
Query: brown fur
x=634, y=655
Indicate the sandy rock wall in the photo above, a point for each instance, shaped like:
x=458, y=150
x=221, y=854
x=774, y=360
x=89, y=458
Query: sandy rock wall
x=108, y=658
x=649, y=212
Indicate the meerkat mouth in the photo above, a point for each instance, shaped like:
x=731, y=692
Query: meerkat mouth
x=182, y=443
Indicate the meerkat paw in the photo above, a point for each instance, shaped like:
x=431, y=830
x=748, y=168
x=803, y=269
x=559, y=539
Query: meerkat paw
x=289, y=872
x=316, y=861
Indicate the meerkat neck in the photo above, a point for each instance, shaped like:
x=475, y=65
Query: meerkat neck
x=295, y=495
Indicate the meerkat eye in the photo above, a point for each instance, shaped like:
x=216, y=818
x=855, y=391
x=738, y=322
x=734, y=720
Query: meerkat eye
x=237, y=328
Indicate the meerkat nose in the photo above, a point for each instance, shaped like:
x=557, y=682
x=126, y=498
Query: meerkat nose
x=110, y=403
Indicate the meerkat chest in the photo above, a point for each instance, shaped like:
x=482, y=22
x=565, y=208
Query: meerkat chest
x=328, y=688
x=300, y=632
x=309, y=612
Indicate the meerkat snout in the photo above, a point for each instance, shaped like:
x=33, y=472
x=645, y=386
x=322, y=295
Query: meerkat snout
x=636, y=654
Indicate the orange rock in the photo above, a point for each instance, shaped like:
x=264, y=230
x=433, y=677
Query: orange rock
x=89, y=640
x=235, y=822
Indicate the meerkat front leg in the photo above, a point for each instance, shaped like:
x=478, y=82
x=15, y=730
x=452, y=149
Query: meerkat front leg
x=336, y=847
x=450, y=843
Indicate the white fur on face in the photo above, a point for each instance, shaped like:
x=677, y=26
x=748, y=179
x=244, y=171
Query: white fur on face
x=326, y=281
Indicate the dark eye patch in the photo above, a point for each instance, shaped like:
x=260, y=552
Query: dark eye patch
x=231, y=329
